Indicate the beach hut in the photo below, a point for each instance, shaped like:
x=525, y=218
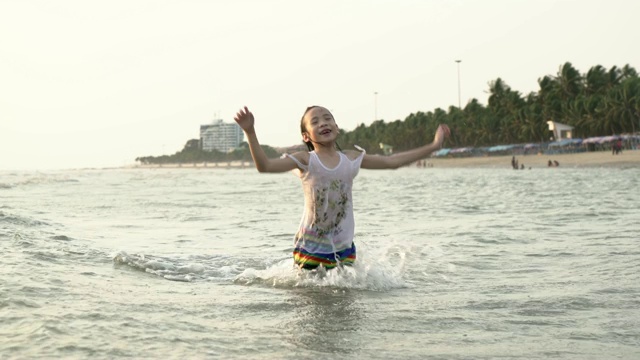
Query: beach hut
x=560, y=131
x=386, y=149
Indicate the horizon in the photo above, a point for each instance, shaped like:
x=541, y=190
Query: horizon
x=122, y=80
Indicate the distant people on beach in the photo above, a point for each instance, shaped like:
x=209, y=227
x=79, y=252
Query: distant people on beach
x=553, y=163
x=514, y=163
x=616, y=147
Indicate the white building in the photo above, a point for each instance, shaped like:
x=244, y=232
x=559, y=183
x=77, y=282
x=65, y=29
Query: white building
x=560, y=131
x=220, y=136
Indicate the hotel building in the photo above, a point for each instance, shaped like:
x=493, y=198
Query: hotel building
x=220, y=136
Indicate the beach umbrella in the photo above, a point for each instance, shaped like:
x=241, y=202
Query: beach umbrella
x=441, y=152
x=607, y=139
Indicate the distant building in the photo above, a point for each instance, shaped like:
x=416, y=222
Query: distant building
x=560, y=131
x=386, y=149
x=220, y=136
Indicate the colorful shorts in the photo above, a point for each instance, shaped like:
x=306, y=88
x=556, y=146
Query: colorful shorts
x=309, y=261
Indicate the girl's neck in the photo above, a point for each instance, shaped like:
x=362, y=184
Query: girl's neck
x=328, y=156
x=325, y=149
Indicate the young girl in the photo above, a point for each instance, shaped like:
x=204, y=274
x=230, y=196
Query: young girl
x=325, y=235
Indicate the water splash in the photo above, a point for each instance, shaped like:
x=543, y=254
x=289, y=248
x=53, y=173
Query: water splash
x=163, y=267
x=376, y=271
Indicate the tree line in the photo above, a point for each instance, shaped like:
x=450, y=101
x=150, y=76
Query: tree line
x=192, y=153
x=596, y=103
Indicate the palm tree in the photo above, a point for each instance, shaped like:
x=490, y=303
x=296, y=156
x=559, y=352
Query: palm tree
x=569, y=81
x=596, y=81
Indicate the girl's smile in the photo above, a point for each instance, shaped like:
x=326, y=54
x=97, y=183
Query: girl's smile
x=320, y=125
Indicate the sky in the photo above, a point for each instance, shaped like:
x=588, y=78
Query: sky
x=93, y=84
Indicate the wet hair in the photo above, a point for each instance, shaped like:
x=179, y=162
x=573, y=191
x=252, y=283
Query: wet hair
x=303, y=127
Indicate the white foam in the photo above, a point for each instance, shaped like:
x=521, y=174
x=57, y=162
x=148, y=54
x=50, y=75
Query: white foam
x=378, y=270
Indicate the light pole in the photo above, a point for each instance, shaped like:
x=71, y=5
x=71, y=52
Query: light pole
x=375, y=106
x=459, y=104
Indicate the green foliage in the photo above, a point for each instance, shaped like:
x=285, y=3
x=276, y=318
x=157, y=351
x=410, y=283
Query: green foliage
x=191, y=153
x=600, y=102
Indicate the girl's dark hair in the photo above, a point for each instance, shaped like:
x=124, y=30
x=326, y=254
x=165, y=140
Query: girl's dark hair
x=303, y=128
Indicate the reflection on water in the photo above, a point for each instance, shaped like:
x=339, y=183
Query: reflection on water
x=326, y=320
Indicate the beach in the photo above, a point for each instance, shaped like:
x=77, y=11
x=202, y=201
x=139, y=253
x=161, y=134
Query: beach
x=628, y=158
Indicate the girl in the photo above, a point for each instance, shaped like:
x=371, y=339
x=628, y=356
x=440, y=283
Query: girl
x=325, y=235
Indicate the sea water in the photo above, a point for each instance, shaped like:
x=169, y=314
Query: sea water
x=197, y=263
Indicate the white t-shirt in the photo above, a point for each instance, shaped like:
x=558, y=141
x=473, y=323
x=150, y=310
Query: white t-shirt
x=327, y=224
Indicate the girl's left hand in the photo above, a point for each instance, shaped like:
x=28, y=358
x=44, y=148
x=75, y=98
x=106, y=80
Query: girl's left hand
x=442, y=133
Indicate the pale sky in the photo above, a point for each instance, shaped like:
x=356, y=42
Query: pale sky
x=98, y=83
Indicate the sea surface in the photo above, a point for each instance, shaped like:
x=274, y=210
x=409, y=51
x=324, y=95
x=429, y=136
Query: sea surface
x=196, y=264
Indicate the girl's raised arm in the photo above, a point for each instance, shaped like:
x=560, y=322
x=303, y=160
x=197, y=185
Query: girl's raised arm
x=245, y=120
x=406, y=157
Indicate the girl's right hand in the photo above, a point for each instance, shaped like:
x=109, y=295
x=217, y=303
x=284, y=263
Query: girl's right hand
x=244, y=118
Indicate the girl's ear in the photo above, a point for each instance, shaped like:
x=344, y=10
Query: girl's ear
x=305, y=137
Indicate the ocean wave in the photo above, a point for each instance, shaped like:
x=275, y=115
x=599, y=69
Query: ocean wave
x=8, y=218
x=167, y=268
x=15, y=180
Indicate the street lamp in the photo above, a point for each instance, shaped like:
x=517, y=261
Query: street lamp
x=375, y=106
x=459, y=104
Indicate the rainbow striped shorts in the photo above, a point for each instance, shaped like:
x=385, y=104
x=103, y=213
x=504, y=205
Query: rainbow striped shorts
x=306, y=260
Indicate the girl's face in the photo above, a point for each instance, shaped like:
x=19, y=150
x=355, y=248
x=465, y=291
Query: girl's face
x=320, y=127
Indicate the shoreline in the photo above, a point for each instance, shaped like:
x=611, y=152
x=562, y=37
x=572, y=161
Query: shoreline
x=200, y=165
x=595, y=159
